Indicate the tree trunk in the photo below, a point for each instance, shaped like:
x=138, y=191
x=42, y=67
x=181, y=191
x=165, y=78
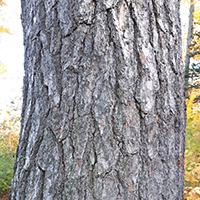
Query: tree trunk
x=189, y=40
x=103, y=110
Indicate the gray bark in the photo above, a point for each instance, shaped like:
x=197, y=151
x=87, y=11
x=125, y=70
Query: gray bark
x=103, y=109
x=189, y=40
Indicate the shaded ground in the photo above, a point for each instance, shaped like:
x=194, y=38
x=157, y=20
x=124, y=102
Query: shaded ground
x=4, y=195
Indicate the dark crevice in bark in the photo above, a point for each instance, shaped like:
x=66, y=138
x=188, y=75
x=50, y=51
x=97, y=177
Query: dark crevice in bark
x=42, y=182
x=53, y=135
x=95, y=124
x=118, y=187
x=26, y=131
x=73, y=31
x=151, y=21
x=71, y=125
x=157, y=16
x=158, y=27
x=27, y=169
x=73, y=147
x=109, y=17
x=168, y=16
x=59, y=144
x=143, y=139
x=85, y=194
x=159, y=65
x=121, y=182
x=136, y=48
x=93, y=27
x=113, y=42
x=62, y=168
x=170, y=33
x=42, y=17
x=25, y=98
x=58, y=64
x=93, y=176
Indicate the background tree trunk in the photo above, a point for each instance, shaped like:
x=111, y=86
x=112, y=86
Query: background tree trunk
x=189, y=40
x=103, y=110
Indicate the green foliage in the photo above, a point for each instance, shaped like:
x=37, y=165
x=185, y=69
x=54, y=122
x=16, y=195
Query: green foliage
x=9, y=132
x=6, y=165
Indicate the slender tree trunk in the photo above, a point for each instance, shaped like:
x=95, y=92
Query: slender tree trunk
x=189, y=40
x=103, y=110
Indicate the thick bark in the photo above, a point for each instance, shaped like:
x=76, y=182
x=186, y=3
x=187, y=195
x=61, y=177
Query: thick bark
x=103, y=110
x=189, y=40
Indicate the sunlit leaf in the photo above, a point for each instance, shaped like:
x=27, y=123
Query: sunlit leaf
x=4, y=30
x=2, y=3
x=2, y=68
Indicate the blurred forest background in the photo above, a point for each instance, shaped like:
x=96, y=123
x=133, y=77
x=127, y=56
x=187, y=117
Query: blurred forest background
x=11, y=80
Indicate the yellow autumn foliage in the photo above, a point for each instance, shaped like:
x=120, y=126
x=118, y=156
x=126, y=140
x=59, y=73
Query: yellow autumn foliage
x=197, y=14
x=2, y=28
x=192, y=193
x=192, y=151
x=2, y=68
x=193, y=110
x=2, y=3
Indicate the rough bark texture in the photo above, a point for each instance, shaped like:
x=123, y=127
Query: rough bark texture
x=103, y=111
